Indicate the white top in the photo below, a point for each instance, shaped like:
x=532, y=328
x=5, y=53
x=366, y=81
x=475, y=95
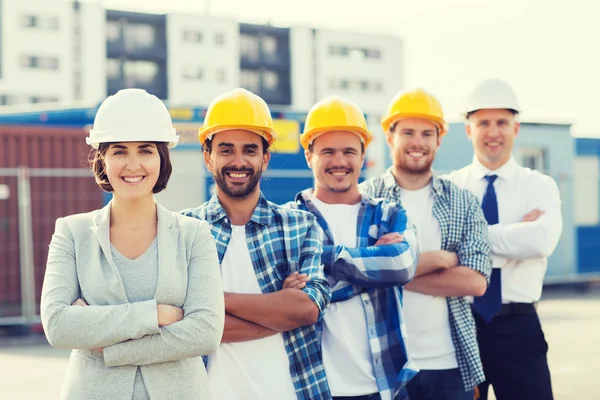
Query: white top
x=521, y=249
x=253, y=370
x=429, y=339
x=345, y=342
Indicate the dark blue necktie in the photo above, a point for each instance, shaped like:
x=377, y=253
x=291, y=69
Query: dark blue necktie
x=488, y=305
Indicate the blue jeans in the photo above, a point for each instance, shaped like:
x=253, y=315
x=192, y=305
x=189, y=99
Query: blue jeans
x=441, y=384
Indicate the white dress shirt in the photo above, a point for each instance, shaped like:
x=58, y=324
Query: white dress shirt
x=521, y=249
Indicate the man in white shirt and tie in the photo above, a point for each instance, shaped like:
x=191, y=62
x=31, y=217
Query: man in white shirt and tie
x=523, y=210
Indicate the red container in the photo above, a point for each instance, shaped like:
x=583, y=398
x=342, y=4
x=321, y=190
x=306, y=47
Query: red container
x=61, y=154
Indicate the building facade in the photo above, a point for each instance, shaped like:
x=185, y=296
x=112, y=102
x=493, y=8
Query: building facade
x=60, y=51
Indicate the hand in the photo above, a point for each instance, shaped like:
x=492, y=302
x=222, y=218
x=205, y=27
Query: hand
x=390, y=238
x=447, y=259
x=532, y=215
x=80, y=302
x=168, y=315
x=295, y=281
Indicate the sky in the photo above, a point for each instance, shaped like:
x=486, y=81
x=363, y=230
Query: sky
x=548, y=50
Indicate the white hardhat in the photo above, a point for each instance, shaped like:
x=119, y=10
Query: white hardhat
x=491, y=93
x=132, y=115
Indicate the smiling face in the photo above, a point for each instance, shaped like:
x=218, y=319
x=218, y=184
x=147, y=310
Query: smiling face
x=336, y=159
x=493, y=133
x=414, y=143
x=132, y=168
x=236, y=159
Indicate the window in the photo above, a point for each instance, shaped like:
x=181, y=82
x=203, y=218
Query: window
x=373, y=54
x=534, y=158
x=270, y=80
x=29, y=21
x=356, y=53
x=338, y=50
x=49, y=62
x=43, y=99
x=250, y=79
x=6, y=100
x=269, y=47
x=249, y=47
x=139, y=36
x=193, y=73
x=219, y=39
x=113, y=31
x=339, y=83
x=35, y=21
x=140, y=73
x=191, y=36
x=113, y=68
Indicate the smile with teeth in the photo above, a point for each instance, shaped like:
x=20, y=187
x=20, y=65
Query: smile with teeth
x=133, y=179
x=238, y=174
x=416, y=154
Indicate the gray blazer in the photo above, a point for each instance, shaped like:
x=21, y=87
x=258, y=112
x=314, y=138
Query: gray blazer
x=80, y=265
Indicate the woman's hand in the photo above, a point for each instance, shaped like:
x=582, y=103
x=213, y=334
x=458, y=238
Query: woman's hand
x=168, y=315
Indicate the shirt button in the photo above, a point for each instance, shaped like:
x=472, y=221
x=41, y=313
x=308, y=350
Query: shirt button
x=226, y=220
x=224, y=237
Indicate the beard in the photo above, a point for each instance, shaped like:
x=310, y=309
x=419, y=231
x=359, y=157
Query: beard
x=415, y=170
x=339, y=190
x=238, y=191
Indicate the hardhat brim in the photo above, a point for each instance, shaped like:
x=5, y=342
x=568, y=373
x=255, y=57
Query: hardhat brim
x=98, y=137
x=441, y=124
x=266, y=133
x=307, y=138
x=512, y=107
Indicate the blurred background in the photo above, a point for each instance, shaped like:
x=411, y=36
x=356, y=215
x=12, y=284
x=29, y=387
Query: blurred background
x=60, y=59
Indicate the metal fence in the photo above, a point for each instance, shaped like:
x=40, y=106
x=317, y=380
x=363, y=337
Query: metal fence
x=32, y=199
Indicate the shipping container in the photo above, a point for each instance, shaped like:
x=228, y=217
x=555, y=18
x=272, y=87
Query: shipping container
x=60, y=184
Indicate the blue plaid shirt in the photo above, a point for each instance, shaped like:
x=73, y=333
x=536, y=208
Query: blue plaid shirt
x=376, y=274
x=464, y=232
x=282, y=241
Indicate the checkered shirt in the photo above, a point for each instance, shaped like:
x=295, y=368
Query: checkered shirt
x=282, y=241
x=376, y=274
x=465, y=232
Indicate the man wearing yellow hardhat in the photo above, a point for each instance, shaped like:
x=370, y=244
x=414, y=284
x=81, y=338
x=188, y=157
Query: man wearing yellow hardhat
x=524, y=212
x=454, y=258
x=269, y=348
x=369, y=252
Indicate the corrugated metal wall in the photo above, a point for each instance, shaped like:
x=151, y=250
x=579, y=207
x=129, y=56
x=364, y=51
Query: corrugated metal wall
x=61, y=155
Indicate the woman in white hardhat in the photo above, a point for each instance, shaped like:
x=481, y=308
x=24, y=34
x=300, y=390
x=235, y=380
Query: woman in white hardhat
x=133, y=289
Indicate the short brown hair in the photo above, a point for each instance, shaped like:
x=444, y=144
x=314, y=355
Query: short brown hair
x=98, y=168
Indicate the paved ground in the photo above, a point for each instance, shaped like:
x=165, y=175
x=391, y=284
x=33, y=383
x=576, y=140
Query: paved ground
x=31, y=370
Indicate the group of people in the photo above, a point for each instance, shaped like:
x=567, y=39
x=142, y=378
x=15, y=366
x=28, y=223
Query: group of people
x=406, y=286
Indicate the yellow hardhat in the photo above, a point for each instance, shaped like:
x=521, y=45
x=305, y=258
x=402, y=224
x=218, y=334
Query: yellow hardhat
x=416, y=103
x=335, y=114
x=238, y=109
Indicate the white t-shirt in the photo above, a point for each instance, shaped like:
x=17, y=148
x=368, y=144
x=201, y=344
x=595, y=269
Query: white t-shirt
x=253, y=370
x=429, y=340
x=346, y=351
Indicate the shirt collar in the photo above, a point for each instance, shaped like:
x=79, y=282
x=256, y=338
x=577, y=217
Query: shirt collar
x=261, y=215
x=506, y=171
x=305, y=198
x=389, y=181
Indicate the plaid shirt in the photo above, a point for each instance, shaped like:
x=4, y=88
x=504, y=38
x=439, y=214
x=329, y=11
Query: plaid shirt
x=376, y=274
x=464, y=231
x=281, y=241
